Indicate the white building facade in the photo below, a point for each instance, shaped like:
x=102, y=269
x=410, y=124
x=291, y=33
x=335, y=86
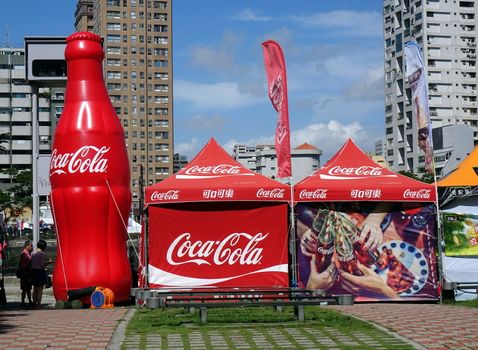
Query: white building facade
x=16, y=116
x=263, y=160
x=446, y=31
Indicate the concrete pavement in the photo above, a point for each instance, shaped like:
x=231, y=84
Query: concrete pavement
x=423, y=326
x=433, y=326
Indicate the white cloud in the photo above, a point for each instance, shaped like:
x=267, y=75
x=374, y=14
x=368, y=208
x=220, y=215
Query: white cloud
x=207, y=56
x=248, y=15
x=188, y=149
x=219, y=56
x=370, y=86
x=354, y=23
x=221, y=95
x=328, y=137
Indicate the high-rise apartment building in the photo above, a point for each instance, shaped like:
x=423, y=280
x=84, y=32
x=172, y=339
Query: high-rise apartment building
x=446, y=31
x=138, y=73
x=16, y=117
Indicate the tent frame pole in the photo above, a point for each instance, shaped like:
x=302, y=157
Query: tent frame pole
x=146, y=247
x=292, y=237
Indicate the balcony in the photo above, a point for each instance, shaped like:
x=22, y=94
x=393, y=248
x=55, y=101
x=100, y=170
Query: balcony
x=20, y=130
x=24, y=145
x=21, y=117
x=18, y=74
x=44, y=116
x=21, y=102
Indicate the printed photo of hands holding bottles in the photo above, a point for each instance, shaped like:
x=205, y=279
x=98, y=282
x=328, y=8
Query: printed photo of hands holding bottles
x=341, y=252
x=383, y=251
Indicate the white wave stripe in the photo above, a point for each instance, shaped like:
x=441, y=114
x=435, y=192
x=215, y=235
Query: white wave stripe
x=159, y=276
x=182, y=177
x=332, y=177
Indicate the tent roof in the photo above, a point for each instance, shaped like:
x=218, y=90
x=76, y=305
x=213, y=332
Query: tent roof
x=465, y=173
x=350, y=175
x=213, y=175
x=306, y=146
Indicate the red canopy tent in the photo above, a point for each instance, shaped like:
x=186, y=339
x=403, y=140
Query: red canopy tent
x=213, y=175
x=353, y=196
x=217, y=223
x=350, y=175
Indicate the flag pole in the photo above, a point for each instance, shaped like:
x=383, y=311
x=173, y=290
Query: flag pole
x=416, y=75
x=293, y=236
x=275, y=67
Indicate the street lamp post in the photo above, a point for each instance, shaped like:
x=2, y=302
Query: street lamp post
x=45, y=66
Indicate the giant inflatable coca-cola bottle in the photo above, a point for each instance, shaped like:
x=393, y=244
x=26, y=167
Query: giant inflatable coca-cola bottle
x=89, y=174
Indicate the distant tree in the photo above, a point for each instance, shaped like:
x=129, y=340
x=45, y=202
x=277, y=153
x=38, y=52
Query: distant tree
x=21, y=191
x=4, y=138
x=424, y=178
x=19, y=195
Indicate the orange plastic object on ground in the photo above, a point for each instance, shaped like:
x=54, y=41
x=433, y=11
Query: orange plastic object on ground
x=102, y=298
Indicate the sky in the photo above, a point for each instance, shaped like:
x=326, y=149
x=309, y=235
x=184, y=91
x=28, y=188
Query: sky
x=333, y=52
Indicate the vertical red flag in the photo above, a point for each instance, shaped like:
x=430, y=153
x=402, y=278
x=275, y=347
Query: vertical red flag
x=274, y=63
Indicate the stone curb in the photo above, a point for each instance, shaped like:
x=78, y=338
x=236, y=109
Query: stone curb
x=119, y=334
x=389, y=332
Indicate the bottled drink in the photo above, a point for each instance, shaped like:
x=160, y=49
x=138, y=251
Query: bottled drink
x=325, y=239
x=89, y=174
x=345, y=252
x=365, y=256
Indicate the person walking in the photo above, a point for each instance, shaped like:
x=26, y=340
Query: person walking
x=24, y=272
x=39, y=277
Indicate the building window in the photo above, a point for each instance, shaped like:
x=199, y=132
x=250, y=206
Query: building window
x=113, y=75
x=161, y=63
x=113, y=38
x=113, y=14
x=113, y=26
x=160, y=40
x=110, y=3
x=161, y=52
x=113, y=50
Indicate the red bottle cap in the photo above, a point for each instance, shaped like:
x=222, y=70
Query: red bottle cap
x=84, y=45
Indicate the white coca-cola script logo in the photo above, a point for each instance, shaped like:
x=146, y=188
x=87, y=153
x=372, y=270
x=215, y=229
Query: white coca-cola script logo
x=418, y=194
x=237, y=248
x=320, y=193
x=165, y=196
x=360, y=171
x=87, y=159
x=274, y=193
x=211, y=171
x=324, y=251
x=214, y=169
x=339, y=173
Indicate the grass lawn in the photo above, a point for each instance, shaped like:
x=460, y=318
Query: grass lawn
x=467, y=303
x=254, y=328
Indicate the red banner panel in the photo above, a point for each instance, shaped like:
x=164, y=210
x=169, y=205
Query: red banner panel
x=375, y=251
x=218, y=245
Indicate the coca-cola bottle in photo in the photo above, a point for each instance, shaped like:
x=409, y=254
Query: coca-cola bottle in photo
x=321, y=226
x=365, y=256
x=347, y=260
x=90, y=179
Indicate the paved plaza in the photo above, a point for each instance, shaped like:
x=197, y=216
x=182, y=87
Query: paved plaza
x=420, y=326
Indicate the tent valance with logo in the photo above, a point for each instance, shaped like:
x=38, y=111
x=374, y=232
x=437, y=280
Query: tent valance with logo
x=213, y=175
x=350, y=175
x=216, y=223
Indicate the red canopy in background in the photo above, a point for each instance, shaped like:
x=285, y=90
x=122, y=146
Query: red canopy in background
x=350, y=175
x=213, y=175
